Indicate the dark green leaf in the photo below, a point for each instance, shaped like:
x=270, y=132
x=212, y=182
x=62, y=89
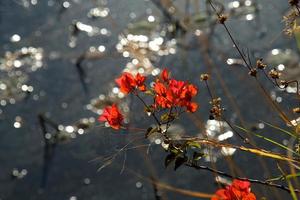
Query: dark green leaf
x=149, y=92
x=170, y=158
x=151, y=130
x=194, y=144
x=164, y=117
x=197, y=156
x=179, y=161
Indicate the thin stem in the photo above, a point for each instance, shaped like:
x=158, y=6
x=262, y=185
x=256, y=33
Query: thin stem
x=152, y=114
x=208, y=89
x=169, y=120
x=297, y=7
x=199, y=167
x=244, y=139
x=231, y=38
x=275, y=106
x=211, y=96
x=266, y=75
x=237, y=47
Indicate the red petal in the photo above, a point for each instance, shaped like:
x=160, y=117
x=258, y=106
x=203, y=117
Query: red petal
x=192, y=107
x=165, y=75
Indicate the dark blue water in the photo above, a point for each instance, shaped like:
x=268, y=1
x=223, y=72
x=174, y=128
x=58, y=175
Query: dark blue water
x=71, y=169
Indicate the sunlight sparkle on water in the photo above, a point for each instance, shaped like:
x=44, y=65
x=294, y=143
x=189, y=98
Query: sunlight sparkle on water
x=234, y=4
x=249, y=17
x=18, y=122
x=280, y=67
x=248, y=3
x=151, y=18
x=15, y=38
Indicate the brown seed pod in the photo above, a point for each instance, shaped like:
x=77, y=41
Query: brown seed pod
x=274, y=74
x=296, y=110
x=222, y=18
x=253, y=72
x=260, y=64
x=284, y=83
x=204, y=77
x=293, y=2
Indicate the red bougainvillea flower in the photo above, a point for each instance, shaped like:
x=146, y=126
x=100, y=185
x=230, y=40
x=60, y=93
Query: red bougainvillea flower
x=161, y=95
x=140, y=82
x=165, y=75
x=112, y=115
x=238, y=190
x=174, y=93
x=191, y=106
x=127, y=82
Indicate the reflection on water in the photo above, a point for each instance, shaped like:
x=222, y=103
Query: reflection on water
x=286, y=61
x=219, y=131
x=19, y=174
x=13, y=87
x=15, y=38
x=28, y=59
x=91, y=31
x=15, y=67
x=175, y=132
x=245, y=10
x=98, y=12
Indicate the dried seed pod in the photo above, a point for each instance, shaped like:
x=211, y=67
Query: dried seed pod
x=222, y=18
x=293, y=2
x=215, y=101
x=284, y=83
x=274, y=74
x=204, y=77
x=290, y=22
x=253, y=72
x=216, y=111
x=260, y=64
x=296, y=110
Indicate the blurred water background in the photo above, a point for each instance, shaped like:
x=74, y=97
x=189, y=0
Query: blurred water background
x=58, y=60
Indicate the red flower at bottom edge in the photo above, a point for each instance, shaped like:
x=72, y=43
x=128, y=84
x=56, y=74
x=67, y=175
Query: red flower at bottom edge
x=112, y=115
x=238, y=190
x=221, y=194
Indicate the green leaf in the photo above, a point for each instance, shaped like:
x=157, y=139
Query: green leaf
x=267, y=139
x=293, y=194
x=149, y=92
x=194, y=144
x=197, y=155
x=164, y=117
x=151, y=130
x=284, y=131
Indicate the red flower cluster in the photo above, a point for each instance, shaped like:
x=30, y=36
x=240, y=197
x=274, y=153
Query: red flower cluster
x=127, y=82
x=168, y=93
x=112, y=115
x=171, y=93
x=238, y=190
